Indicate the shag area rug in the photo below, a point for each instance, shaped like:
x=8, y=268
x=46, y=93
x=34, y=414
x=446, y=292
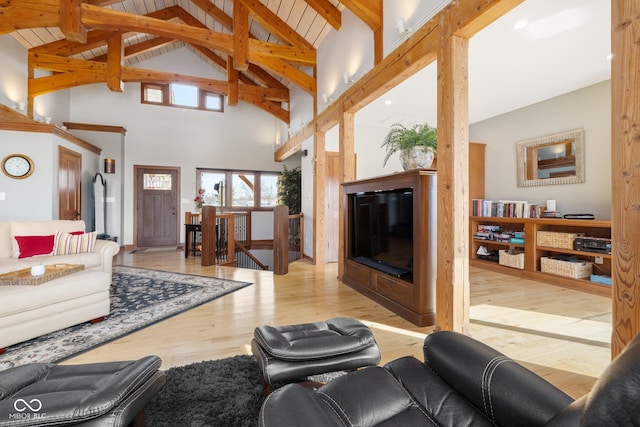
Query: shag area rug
x=217, y=393
x=139, y=298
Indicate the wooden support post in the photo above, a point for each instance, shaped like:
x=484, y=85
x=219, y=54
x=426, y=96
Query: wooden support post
x=231, y=239
x=452, y=285
x=70, y=21
x=241, y=36
x=281, y=240
x=347, y=173
x=319, y=203
x=625, y=171
x=232, y=81
x=115, y=60
x=209, y=238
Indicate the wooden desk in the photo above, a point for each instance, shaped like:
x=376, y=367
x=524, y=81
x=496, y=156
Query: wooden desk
x=191, y=238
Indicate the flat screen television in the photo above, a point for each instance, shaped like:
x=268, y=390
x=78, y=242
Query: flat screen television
x=381, y=231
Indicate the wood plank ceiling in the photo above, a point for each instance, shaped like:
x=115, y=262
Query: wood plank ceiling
x=264, y=47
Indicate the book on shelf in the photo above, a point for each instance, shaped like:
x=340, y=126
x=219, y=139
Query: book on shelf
x=506, y=208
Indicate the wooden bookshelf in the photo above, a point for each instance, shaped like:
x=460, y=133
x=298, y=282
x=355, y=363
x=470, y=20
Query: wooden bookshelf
x=533, y=252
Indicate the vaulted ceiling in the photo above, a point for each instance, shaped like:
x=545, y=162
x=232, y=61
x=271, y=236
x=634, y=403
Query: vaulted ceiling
x=263, y=46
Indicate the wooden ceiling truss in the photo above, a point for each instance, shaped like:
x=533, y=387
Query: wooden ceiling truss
x=257, y=71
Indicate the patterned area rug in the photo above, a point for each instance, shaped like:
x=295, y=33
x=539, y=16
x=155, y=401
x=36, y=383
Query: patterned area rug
x=139, y=298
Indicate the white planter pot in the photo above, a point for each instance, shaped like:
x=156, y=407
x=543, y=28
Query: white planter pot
x=419, y=157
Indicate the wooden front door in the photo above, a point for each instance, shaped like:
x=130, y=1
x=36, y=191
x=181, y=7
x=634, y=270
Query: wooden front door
x=69, y=184
x=157, y=205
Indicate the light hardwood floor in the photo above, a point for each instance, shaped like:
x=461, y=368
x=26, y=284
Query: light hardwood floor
x=561, y=334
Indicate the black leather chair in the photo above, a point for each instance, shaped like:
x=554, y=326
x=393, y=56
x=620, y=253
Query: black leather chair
x=89, y=395
x=461, y=383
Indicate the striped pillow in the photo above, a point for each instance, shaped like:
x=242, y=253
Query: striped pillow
x=66, y=243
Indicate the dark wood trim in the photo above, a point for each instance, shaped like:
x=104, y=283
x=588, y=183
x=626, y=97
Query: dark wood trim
x=95, y=128
x=50, y=128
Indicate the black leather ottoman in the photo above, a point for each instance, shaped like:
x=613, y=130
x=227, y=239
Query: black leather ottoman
x=292, y=352
x=91, y=395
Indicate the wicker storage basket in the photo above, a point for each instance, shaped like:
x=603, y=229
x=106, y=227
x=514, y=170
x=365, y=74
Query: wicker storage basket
x=577, y=270
x=511, y=260
x=552, y=239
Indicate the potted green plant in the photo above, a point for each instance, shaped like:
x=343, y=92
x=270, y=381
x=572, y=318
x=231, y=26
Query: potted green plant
x=417, y=145
x=290, y=191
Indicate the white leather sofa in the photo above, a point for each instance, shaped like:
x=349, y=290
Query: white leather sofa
x=29, y=311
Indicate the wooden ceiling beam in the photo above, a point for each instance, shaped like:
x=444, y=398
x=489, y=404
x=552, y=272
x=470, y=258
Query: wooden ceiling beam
x=131, y=75
x=215, y=12
x=370, y=12
x=107, y=19
x=300, y=56
x=288, y=71
x=103, y=2
x=294, y=143
x=61, y=64
x=65, y=47
x=95, y=38
x=76, y=72
x=328, y=11
x=21, y=14
x=274, y=24
x=257, y=74
x=265, y=93
x=273, y=108
x=70, y=24
x=139, y=48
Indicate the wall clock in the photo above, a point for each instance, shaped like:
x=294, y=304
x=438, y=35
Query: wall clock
x=17, y=166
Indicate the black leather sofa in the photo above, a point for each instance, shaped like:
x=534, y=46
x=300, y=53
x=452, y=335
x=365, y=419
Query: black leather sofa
x=462, y=382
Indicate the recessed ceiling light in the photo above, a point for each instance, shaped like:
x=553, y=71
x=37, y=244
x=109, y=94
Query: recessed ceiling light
x=520, y=24
x=388, y=102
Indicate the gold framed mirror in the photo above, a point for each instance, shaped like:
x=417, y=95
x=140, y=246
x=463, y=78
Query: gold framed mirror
x=551, y=160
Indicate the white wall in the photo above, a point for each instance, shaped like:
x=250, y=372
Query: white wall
x=35, y=197
x=13, y=84
x=588, y=108
x=348, y=50
x=29, y=198
x=240, y=138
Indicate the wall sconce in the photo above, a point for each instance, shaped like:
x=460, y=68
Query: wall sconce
x=400, y=25
x=109, y=165
x=326, y=99
x=20, y=106
x=347, y=78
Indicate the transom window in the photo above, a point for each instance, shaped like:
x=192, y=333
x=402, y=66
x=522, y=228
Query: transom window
x=238, y=189
x=182, y=96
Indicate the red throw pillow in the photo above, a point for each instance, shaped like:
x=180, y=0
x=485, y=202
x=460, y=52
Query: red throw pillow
x=34, y=245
